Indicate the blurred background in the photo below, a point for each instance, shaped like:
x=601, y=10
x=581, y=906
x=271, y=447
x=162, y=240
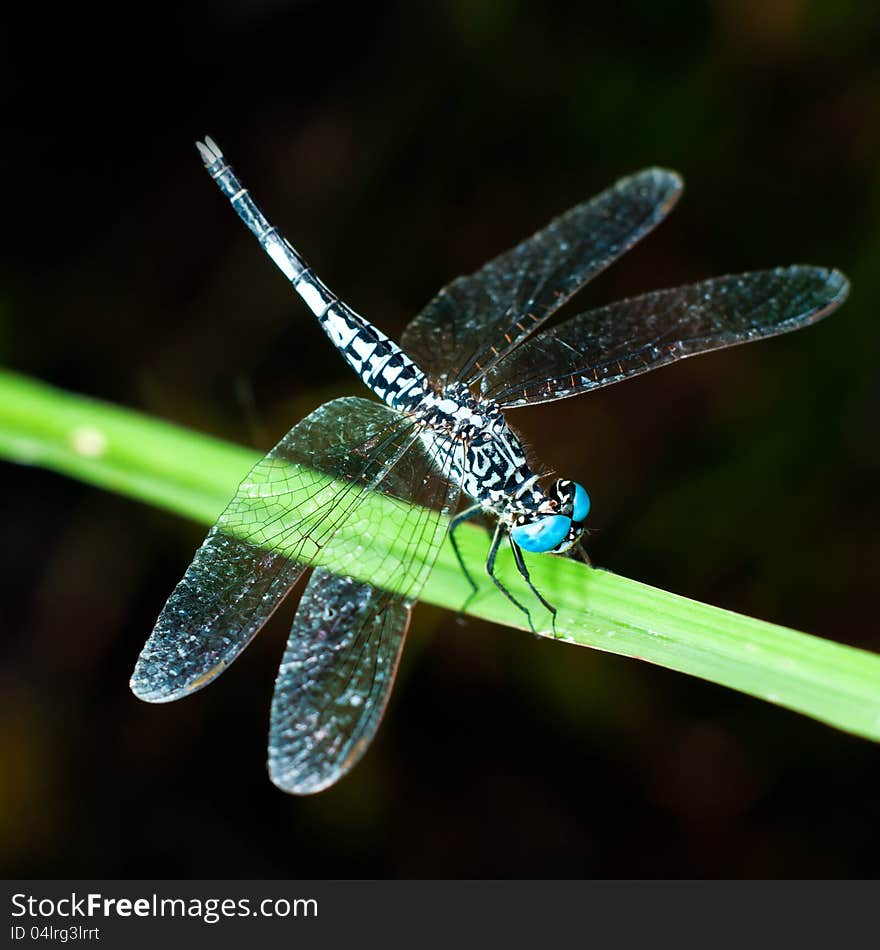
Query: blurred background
x=398, y=145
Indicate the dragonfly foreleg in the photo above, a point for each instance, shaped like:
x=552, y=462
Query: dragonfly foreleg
x=490, y=570
x=521, y=567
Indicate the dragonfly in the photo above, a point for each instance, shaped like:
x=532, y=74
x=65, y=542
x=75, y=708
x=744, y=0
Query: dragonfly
x=363, y=491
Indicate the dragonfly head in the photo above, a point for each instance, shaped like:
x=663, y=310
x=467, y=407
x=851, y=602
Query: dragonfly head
x=555, y=533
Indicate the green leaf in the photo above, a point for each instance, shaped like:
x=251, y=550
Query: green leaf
x=194, y=476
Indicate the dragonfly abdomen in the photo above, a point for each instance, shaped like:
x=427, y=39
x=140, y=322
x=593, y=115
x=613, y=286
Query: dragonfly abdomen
x=376, y=358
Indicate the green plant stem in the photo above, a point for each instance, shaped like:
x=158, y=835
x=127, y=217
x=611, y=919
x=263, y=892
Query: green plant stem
x=195, y=476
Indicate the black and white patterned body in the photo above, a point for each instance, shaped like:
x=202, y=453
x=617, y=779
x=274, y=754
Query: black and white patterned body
x=439, y=430
x=377, y=359
x=490, y=464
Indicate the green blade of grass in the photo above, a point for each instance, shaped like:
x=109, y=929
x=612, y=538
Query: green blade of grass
x=195, y=476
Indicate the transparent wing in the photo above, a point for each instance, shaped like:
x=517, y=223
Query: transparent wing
x=633, y=336
x=334, y=681
x=283, y=515
x=475, y=320
x=342, y=655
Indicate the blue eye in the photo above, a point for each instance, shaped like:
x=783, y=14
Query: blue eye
x=542, y=535
x=581, y=503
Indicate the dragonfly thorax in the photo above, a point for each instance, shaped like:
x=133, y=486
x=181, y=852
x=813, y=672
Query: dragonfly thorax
x=455, y=411
x=473, y=445
x=482, y=454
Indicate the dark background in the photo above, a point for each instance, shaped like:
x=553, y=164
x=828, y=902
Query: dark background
x=398, y=145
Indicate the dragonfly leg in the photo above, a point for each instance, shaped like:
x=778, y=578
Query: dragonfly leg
x=459, y=519
x=490, y=570
x=521, y=567
x=580, y=554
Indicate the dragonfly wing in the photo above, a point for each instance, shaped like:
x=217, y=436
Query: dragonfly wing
x=477, y=319
x=334, y=681
x=633, y=336
x=342, y=655
x=282, y=516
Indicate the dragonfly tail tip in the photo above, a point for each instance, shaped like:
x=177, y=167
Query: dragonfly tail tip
x=209, y=150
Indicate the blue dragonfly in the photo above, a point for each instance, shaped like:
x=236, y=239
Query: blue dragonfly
x=437, y=431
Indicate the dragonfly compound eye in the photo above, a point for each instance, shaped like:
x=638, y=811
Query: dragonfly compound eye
x=581, y=504
x=542, y=535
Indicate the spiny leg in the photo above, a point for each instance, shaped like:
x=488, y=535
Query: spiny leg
x=490, y=570
x=459, y=519
x=521, y=567
x=580, y=554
